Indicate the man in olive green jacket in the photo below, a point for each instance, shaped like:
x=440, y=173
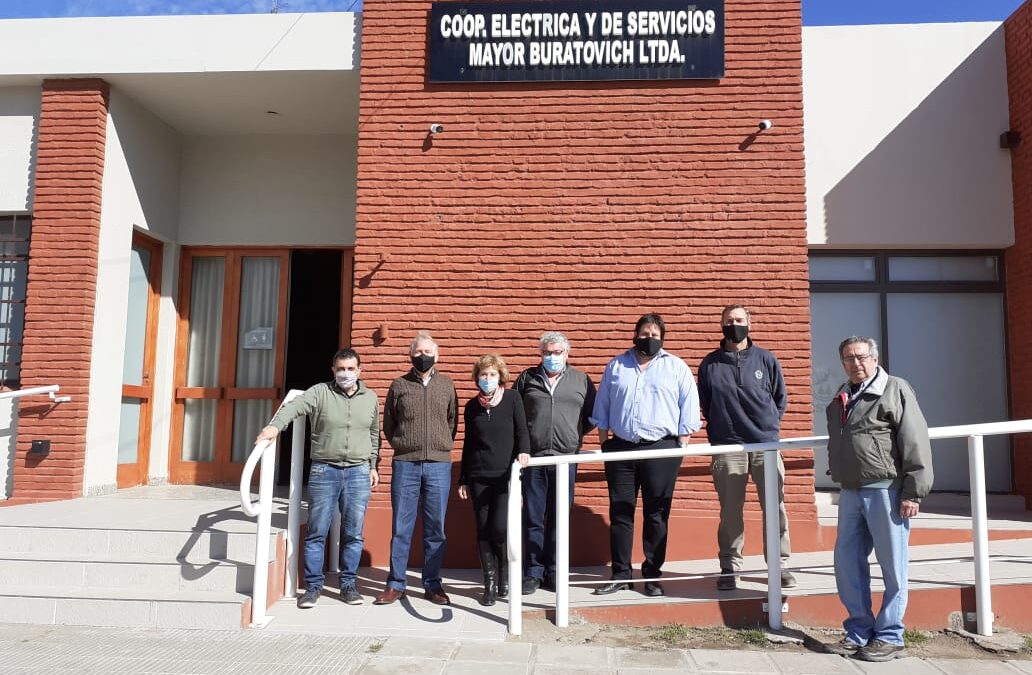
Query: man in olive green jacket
x=345, y=419
x=880, y=453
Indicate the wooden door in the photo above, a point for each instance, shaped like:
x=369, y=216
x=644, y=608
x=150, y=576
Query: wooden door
x=134, y=432
x=229, y=358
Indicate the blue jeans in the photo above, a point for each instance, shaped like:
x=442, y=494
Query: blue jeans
x=868, y=519
x=539, y=518
x=330, y=488
x=409, y=481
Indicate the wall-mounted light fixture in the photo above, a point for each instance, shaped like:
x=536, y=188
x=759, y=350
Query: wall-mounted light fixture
x=1010, y=139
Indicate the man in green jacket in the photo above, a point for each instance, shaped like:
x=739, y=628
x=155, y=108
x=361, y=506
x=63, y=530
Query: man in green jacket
x=880, y=453
x=345, y=417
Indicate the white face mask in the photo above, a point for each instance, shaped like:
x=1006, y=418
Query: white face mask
x=346, y=379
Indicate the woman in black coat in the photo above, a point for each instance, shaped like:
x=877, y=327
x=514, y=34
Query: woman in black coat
x=496, y=435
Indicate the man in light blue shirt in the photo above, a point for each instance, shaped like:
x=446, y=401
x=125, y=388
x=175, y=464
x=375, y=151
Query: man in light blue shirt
x=647, y=400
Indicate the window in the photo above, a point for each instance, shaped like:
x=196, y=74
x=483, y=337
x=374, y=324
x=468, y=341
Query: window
x=940, y=322
x=14, y=264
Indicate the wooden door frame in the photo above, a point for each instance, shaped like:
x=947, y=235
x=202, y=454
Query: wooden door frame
x=219, y=470
x=181, y=471
x=129, y=475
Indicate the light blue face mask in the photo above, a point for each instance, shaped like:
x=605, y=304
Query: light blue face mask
x=554, y=362
x=487, y=385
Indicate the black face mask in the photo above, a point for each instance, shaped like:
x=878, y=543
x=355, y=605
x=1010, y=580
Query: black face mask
x=735, y=332
x=422, y=363
x=649, y=346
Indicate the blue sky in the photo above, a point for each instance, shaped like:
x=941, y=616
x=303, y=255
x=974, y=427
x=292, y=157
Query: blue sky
x=815, y=12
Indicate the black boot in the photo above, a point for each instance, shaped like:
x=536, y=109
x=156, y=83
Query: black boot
x=503, y=571
x=489, y=565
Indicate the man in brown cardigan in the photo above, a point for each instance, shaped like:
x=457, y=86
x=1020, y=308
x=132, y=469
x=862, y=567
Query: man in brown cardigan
x=420, y=418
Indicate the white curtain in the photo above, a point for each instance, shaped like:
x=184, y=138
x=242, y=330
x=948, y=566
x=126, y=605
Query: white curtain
x=203, y=355
x=256, y=353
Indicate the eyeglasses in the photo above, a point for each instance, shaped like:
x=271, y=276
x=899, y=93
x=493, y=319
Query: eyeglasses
x=859, y=358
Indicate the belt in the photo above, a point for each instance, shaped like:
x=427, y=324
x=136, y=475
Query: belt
x=647, y=442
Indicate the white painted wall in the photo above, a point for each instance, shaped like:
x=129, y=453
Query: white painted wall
x=902, y=127
x=19, y=117
x=8, y=434
x=140, y=190
x=297, y=190
x=180, y=44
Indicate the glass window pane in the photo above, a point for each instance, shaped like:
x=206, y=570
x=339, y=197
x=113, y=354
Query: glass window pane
x=204, y=344
x=842, y=268
x=136, y=317
x=834, y=317
x=256, y=332
x=947, y=268
x=199, y=430
x=129, y=431
x=960, y=374
x=248, y=419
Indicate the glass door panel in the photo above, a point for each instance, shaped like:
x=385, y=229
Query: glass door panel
x=129, y=431
x=231, y=373
x=255, y=384
x=138, y=360
x=201, y=391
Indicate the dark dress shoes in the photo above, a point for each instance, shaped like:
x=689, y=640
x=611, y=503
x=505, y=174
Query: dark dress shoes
x=727, y=581
x=438, y=596
x=389, y=596
x=653, y=589
x=612, y=587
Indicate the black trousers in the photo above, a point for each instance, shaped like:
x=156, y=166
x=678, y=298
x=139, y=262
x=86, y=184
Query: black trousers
x=490, y=509
x=655, y=478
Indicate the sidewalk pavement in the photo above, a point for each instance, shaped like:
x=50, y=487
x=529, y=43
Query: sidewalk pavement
x=74, y=649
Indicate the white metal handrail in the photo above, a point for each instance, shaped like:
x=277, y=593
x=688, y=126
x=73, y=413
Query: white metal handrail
x=265, y=452
x=976, y=470
x=51, y=390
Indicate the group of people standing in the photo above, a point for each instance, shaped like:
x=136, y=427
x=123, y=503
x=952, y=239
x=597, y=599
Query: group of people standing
x=647, y=399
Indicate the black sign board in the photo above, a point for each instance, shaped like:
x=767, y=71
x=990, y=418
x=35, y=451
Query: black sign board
x=576, y=40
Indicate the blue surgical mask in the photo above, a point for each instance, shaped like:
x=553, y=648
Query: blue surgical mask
x=487, y=384
x=553, y=363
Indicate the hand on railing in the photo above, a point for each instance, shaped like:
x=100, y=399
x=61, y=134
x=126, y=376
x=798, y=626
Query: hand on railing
x=268, y=433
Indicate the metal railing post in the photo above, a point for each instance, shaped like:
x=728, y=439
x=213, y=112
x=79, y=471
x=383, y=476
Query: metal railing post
x=980, y=535
x=514, y=550
x=297, y=454
x=772, y=523
x=562, y=545
x=260, y=590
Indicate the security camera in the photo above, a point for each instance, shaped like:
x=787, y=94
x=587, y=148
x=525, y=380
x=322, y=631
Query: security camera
x=765, y=124
x=436, y=128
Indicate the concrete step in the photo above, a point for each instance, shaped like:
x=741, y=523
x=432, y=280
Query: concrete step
x=163, y=544
x=18, y=571
x=134, y=608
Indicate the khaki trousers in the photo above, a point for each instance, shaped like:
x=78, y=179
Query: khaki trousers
x=730, y=476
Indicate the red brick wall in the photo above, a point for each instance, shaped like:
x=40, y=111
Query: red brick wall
x=62, y=285
x=1018, y=32
x=580, y=206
